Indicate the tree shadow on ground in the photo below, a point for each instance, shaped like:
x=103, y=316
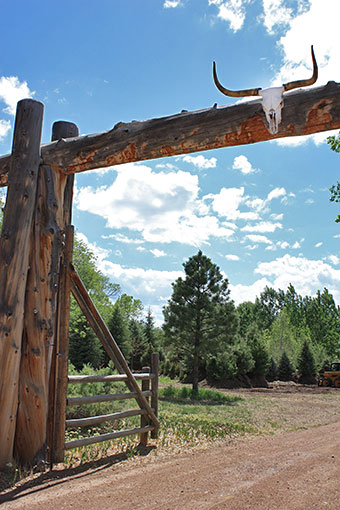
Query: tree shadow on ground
x=13, y=490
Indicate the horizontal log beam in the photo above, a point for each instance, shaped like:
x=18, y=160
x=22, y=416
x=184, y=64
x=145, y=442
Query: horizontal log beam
x=306, y=111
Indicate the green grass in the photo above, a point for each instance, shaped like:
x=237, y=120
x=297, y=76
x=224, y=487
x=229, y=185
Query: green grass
x=190, y=419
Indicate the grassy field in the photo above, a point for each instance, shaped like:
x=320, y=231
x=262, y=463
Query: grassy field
x=212, y=416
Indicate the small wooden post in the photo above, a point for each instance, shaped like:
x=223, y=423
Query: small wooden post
x=145, y=419
x=14, y=260
x=59, y=372
x=58, y=416
x=154, y=388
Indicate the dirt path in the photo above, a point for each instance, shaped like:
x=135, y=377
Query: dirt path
x=297, y=470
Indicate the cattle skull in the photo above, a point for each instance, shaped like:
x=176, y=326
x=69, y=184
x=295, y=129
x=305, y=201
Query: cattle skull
x=272, y=98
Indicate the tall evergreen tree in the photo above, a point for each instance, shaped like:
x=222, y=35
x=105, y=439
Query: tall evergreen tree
x=199, y=315
x=306, y=364
x=285, y=368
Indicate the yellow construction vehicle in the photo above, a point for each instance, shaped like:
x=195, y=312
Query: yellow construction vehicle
x=330, y=377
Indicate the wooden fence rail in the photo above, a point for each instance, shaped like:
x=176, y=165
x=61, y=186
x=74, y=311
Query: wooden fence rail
x=147, y=392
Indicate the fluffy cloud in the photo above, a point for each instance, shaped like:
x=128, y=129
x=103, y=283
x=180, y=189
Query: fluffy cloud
x=314, y=22
x=263, y=226
x=257, y=238
x=158, y=253
x=5, y=126
x=241, y=293
x=232, y=11
x=306, y=275
x=243, y=164
x=12, y=91
x=163, y=206
x=171, y=4
x=200, y=161
x=232, y=257
x=138, y=281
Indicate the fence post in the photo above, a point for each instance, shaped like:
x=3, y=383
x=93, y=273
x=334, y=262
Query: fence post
x=14, y=261
x=154, y=388
x=144, y=421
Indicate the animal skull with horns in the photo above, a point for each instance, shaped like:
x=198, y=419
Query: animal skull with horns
x=272, y=98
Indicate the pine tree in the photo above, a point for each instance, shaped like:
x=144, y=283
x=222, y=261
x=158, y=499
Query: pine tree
x=271, y=374
x=285, y=370
x=199, y=316
x=306, y=364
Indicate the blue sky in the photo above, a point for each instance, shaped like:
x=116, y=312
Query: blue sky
x=261, y=212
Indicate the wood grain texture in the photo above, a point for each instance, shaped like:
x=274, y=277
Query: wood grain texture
x=305, y=112
x=14, y=261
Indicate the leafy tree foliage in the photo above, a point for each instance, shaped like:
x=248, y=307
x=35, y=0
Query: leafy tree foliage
x=258, y=350
x=84, y=346
x=334, y=142
x=267, y=307
x=199, y=316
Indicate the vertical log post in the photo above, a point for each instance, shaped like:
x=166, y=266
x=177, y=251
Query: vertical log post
x=14, y=261
x=58, y=381
x=144, y=421
x=59, y=385
x=40, y=323
x=154, y=388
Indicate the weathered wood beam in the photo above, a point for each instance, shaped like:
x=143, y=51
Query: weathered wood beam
x=14, y=262
x=306, y=111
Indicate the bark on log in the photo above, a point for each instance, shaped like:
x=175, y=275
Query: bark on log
x=14, y=258
x=305, y=112
x=40, y=328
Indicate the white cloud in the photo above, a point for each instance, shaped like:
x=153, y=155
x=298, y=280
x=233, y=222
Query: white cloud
x=314, y=22
x=257, y=238
x=306, y=275
x=334, y=259
x=139, y=281
x=100, y=253
x=162, y=206
x=275, y=14
x=243, y=164
x=171, y=4
x=263, y=226
x=5, y=127
x=123, y=239
x=276, y=193
x=12, y=91
x=231, y=11
x=158, y=253
x=230, y=256
x=241, y=293
x=200, y=161
x=318, y=245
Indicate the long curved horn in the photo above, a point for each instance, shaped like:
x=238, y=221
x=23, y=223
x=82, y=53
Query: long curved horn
x=304, y=83
x=233, y=93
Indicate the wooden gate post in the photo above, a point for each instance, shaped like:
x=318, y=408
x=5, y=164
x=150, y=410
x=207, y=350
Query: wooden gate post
x=154, y=388
x=14, y=260
x=40, y=319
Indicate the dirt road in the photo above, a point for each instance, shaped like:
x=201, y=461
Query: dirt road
x=297, y=470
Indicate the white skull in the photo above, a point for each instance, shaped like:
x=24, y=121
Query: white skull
x=272, y=102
